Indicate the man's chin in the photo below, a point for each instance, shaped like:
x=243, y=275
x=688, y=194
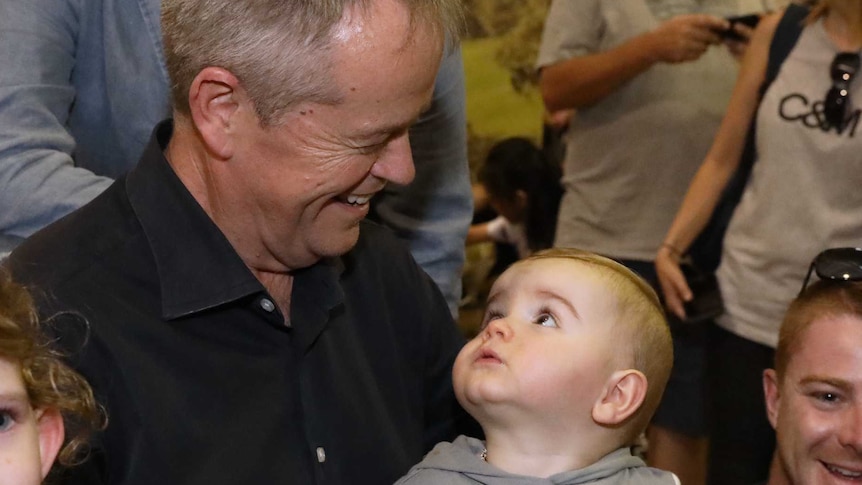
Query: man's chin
x=340, y=244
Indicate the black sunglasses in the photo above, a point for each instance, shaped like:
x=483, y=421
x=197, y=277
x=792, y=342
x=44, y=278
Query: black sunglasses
x=836, y=264
x=844, y=67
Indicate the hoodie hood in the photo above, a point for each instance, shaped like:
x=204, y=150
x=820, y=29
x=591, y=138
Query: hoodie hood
x=463, y=457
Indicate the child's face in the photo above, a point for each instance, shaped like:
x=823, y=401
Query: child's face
x=547, y=347
x=26, y=436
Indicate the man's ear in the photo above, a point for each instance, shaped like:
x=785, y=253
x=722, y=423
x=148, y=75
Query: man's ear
x=773, y=395
x=51, y=433
x=215, y=97
x=622, y=396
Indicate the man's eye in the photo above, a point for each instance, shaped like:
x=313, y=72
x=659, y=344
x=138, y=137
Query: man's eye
x=369, y=149
x=825, y=399
x=546, y=320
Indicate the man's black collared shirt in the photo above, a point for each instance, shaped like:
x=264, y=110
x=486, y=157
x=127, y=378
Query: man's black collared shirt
x=202, y=380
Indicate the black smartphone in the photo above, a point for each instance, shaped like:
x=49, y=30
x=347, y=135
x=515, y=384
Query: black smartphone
x=706, y=303
x=750, y=20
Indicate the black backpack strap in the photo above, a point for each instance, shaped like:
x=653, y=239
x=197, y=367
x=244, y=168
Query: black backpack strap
x=705, y=251
x=784, y=39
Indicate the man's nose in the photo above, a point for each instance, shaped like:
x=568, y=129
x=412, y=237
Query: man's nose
x=396, y=162
x=499, y=328
x=850, y=431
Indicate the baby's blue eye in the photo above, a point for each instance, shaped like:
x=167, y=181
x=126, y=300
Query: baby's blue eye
x=546, y=320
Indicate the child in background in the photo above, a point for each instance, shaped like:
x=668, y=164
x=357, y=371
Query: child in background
x=566, y=373
x=524, y=189
x=46, y=409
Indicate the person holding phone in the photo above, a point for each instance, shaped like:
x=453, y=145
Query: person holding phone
x=802, y=196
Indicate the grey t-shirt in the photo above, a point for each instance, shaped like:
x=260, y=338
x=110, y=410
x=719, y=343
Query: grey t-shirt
x=631, y=156
x=803, y=195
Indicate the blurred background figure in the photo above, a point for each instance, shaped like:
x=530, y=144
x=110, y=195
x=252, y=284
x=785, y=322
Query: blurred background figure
x=523, y=188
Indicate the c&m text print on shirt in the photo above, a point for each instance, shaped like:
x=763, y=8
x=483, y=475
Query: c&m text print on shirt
x=796, y=107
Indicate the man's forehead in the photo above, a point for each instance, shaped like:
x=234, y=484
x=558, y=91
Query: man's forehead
x=828, y=352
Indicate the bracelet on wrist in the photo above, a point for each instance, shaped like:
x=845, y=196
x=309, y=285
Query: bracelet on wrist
x=674, y=251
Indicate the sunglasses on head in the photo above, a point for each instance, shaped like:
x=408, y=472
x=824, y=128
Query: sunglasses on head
x=836, y=264
x=843, y=69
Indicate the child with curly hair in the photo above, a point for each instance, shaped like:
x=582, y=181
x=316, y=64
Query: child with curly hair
x=47, y=411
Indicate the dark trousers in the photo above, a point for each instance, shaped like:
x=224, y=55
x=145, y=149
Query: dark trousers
x=741, y=438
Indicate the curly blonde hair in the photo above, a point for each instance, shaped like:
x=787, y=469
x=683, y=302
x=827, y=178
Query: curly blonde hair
x=50, y=383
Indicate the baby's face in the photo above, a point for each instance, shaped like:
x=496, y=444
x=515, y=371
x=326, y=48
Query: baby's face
x=20, y=462
x=547, y=347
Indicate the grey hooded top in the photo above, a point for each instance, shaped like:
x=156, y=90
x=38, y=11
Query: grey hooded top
x=459, y=463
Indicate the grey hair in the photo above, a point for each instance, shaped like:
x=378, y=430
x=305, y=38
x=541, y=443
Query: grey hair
x=278, y=49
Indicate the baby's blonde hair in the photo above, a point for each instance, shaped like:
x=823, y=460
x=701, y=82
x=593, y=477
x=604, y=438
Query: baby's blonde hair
x=642, y=325
x=50, y=383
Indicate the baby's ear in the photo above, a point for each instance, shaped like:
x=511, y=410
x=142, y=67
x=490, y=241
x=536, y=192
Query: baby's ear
x=51, y=434
x=622, y=396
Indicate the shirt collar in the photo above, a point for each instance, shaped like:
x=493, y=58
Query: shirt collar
x=198, y=268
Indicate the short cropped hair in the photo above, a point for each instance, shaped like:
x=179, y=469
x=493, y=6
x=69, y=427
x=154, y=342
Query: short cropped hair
x=278, y=49
x=824, y=298
x=641, y=319
x=50, y=384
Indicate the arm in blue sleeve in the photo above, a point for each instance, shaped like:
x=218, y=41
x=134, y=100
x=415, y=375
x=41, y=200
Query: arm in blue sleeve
x=434, y=212
x=39, y=182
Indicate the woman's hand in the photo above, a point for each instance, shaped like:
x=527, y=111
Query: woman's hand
x=674, y=287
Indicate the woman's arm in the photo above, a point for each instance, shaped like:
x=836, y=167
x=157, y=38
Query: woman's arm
x=719, y=165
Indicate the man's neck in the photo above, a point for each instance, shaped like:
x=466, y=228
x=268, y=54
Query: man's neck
x=190, y=162
x=776, y=472
x=279, y=286
x=842, y=25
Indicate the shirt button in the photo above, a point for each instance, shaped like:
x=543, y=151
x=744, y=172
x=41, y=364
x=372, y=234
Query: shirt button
x=267, y=305
x=321, y=454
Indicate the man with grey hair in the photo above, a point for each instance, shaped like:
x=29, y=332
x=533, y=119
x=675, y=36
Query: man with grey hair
x=244, y=325
x=83, y=84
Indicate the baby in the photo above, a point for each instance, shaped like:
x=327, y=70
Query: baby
x=565, y=375
x=46, y=409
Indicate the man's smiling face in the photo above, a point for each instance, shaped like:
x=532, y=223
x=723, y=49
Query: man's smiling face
x=307, y=180
x=816, y=407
